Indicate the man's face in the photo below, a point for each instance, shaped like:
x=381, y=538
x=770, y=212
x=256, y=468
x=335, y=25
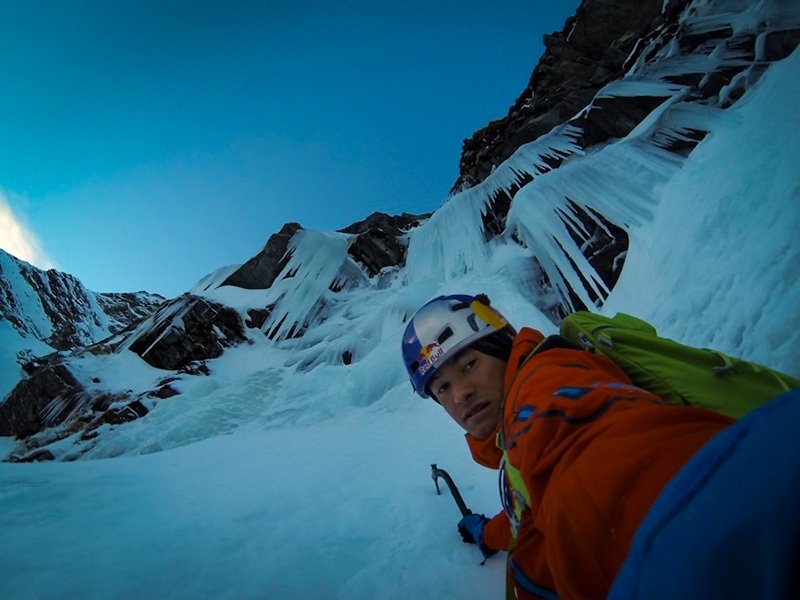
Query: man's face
x=470, y=388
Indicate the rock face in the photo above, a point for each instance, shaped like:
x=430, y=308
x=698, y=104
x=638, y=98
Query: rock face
x=596, y=46
x=379, y=240
x=52, y=403
x=260, y=271
x=377, y=244
x=187, y=330
x=40, y=400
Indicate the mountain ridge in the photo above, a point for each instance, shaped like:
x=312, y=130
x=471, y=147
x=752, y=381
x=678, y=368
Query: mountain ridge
x=69, y=315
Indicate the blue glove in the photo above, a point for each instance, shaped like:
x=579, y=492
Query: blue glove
x=471, y=529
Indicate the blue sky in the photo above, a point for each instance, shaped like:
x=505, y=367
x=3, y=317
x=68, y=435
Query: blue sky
x=145, y=144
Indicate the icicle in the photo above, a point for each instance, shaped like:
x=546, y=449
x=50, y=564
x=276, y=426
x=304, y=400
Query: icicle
x=303, y=285
x=542, y=219
x=452, y=242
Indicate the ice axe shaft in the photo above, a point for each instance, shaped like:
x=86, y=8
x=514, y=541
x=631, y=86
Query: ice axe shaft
x=436, y=473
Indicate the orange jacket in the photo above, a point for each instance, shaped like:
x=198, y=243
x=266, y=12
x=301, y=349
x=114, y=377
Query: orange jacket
x=594, y=452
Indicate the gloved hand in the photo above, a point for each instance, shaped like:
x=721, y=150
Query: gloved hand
x=471, y=529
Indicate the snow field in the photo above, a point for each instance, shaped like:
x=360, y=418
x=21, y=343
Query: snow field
x=342, y=509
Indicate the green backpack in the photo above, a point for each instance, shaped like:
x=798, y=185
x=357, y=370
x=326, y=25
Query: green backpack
x=680, y=375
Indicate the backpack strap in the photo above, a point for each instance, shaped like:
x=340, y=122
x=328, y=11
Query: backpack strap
x=513, y=493
x=730, y=364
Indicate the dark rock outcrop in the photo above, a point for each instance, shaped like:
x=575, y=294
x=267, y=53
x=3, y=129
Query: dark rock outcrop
x=260, y=271
x=599, y=45
x=188, y=330
x=42, y=400
x=379, y=240
x=378, y=244
x=595, y=47
x=51, y=404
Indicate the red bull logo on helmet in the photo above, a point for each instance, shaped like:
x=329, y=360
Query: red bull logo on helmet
x=429, y=355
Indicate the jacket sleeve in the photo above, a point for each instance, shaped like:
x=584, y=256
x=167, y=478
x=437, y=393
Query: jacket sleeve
x=497, y=532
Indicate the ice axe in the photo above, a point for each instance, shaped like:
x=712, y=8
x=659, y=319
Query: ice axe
x=436, y=473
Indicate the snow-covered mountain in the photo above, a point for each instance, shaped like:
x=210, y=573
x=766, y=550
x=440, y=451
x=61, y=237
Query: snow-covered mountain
x=46, y=311
x=266, y=442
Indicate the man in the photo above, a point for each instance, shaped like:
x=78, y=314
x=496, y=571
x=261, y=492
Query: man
x=583, y=453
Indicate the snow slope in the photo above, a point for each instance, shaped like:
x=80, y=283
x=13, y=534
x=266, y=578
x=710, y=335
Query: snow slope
x=282, y=475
